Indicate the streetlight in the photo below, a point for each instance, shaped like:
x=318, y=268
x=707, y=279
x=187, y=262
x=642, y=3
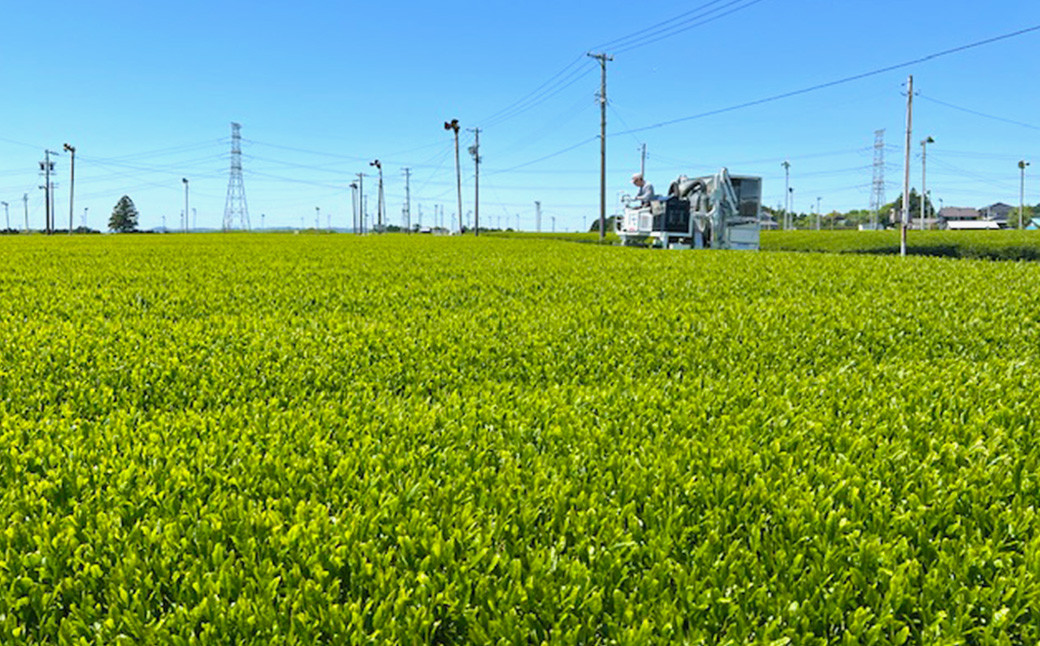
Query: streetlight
x=72, y=179
x=1022, y=194
x=453, y=125
x=790, y=216
x=818, y=214
x=317, y=218
x=353, y=205
x=379, y=210
x=186, y=211
x=924, y=194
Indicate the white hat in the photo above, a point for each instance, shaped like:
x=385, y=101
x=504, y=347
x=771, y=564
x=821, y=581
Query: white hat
x=636, y=176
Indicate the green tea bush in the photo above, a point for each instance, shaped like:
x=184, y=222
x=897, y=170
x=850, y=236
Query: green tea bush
x=421, y=440
x=991, y=245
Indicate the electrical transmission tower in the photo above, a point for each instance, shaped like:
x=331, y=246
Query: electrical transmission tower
x=235, y=207
x=877, y=193
x=406, y=212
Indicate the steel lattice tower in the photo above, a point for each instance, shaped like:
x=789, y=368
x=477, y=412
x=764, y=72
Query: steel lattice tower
x=877, y=193
x=235, y=207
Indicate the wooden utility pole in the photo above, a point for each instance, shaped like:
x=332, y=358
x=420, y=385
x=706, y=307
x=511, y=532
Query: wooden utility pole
x=906, y=165
x=602, y=58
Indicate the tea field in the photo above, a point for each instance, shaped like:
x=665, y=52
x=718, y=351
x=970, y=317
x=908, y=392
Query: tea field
x=1008, y=244
x=278, y=439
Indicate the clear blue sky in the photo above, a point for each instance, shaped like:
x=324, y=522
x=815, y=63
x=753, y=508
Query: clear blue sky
x=146, y=92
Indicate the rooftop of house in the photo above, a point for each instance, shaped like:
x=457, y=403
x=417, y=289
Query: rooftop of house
x=958, y=213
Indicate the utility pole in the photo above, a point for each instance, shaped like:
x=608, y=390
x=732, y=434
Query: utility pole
x=554, y=223
x=85, y=209
x=1022, y=194
x=924, y=194
x=186, y=211
x=818, y=215
x=453, y=125
x=787, y=192
x=317, y=218
x=642, y=162
x=602, y=58
x=263, y=220
x=361, y=199
x=475, y=151
x=906, y=165
x=25, y=203
x=72, y=179
x=7, y=215
x=47, y=166
x=407, y=199
x=538, y=216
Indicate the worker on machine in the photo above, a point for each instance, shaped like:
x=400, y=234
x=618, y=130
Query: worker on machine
x=646, y=191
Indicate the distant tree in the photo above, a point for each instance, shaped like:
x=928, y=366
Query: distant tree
x=915, y=206
x=1015, y=219
x=608, y=223
x=124, y=216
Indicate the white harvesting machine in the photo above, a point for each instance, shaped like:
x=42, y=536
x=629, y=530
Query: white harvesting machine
x=714, y=212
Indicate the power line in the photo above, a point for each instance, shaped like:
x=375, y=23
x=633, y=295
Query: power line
x=618, y=42
x=676, y=29
x=980, y=114
x=821, y=86
x=535, y=91
x=543, y=158
x=569, y=75
x=565, y=83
